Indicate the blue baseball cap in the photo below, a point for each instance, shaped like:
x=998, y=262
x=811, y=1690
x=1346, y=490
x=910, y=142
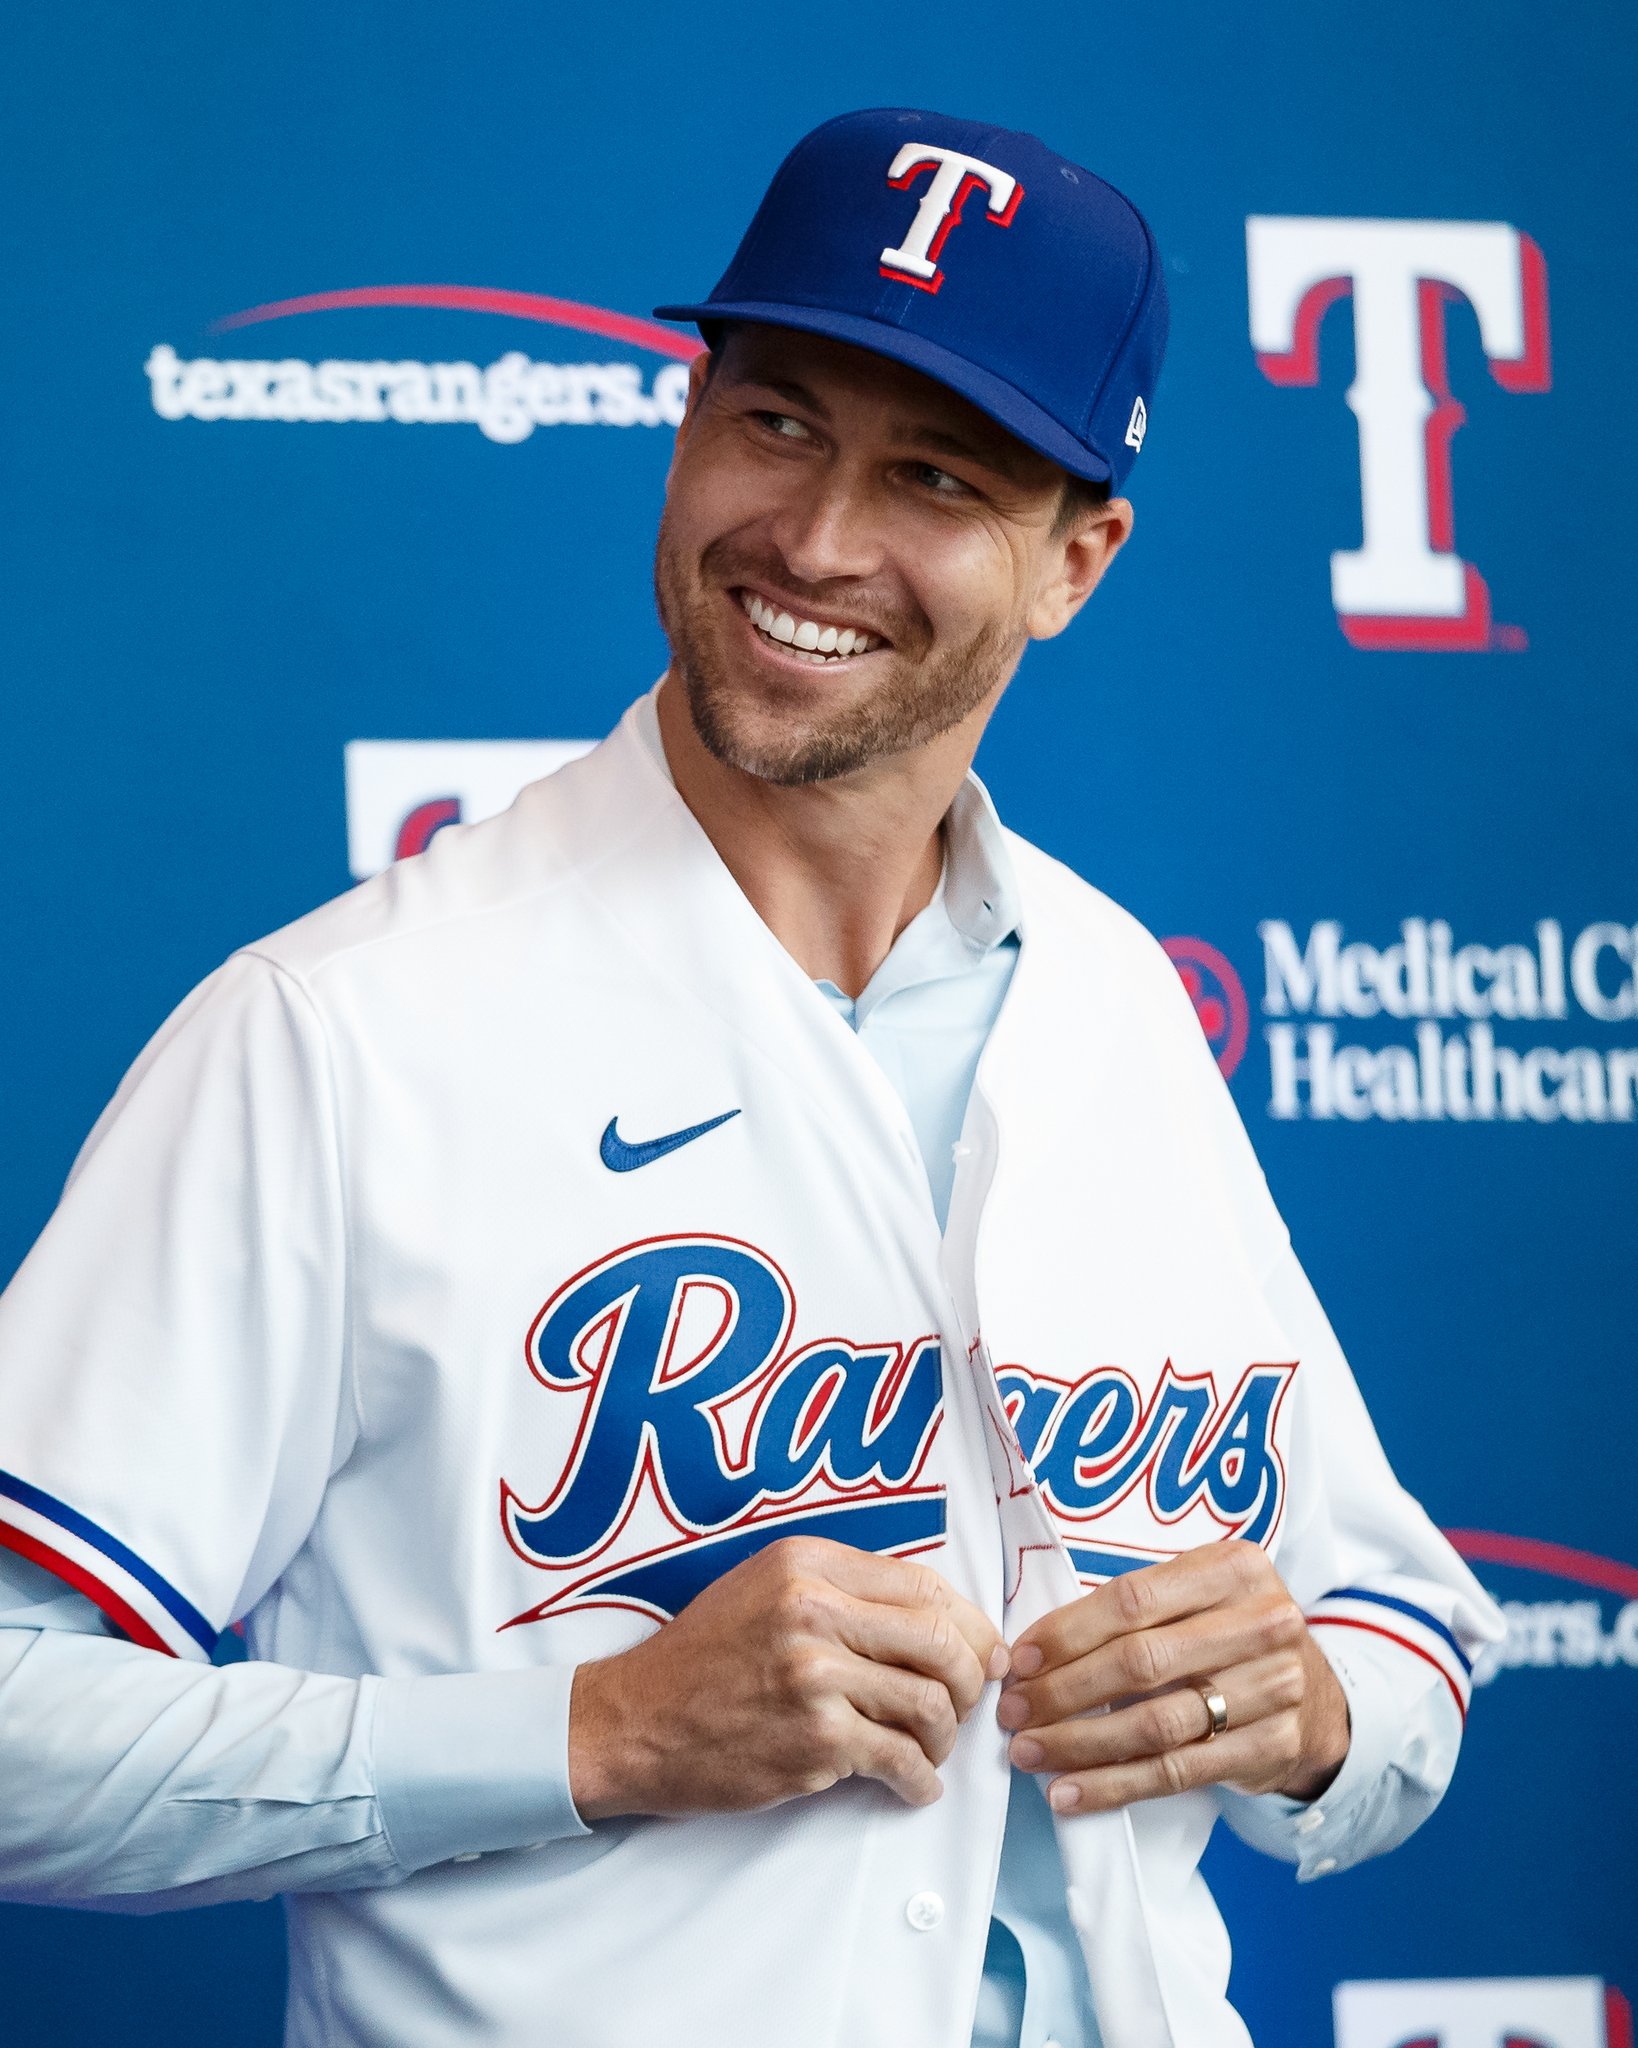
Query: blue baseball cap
x=975, y=255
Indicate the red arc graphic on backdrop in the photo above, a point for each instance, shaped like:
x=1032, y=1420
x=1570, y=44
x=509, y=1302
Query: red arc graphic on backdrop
x=472, y=298
x=1555, y=1560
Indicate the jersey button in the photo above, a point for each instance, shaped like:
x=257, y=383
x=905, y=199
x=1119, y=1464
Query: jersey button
x=471, y=1856
x=924, y=1911
x=1312, y=1819
x=1325, y=1866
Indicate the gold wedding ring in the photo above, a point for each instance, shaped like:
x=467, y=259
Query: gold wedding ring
x=1216, y=1706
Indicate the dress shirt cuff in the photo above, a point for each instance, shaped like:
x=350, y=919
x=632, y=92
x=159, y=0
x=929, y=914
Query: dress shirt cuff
x=1325, y=1834
x=472, y=1763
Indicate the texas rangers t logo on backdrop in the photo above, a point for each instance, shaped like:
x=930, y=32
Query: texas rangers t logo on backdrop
x=1482, y=2012
x=1406, y=587
x=915, y=260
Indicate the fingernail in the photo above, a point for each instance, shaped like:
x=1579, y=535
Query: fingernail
x=1013, y=1710
x=1025, y=1659
x=1064, y=1796
x=1026, y=1753
x=1000, y=1663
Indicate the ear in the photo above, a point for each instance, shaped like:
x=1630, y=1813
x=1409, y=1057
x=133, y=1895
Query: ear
x=699, y=372
x=1084, y=553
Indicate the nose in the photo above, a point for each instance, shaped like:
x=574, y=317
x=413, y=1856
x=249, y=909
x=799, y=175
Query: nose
x=827, y=528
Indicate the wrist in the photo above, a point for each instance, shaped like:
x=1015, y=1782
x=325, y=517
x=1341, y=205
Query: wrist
x=1328, y=1730
x=599, y=1771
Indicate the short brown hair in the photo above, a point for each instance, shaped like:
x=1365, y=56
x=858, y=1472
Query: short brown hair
x=1081, y=494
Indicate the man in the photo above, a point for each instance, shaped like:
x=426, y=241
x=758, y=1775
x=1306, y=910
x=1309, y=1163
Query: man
x=816, y=1217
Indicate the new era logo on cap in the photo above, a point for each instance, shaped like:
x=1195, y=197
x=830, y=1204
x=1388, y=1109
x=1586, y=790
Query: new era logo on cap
x=1055, y=328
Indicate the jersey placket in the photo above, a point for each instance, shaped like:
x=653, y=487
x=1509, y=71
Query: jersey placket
x=925, y=1895
x=1037, y=1573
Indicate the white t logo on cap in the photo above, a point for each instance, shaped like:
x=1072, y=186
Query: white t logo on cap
x=915, y=260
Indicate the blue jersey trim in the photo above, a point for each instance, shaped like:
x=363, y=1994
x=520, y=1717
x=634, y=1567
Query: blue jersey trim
x=54, y=1510
x=1106, y=1564
x=670, y=1582
x=1404, y=1607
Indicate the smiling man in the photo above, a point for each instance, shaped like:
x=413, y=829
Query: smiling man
x=951, y=542
x=720, y=1331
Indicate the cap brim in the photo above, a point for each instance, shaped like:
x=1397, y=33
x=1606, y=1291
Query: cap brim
x=1003, y=402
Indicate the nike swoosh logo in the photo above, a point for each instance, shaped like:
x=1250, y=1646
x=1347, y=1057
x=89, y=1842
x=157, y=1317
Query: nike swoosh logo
x=619, y=1157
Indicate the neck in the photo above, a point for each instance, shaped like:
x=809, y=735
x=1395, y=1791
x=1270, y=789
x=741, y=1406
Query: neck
x=835, y=869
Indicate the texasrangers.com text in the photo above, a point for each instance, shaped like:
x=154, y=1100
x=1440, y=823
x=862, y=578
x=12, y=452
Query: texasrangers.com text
x=505, y=401
x=1561, y=1635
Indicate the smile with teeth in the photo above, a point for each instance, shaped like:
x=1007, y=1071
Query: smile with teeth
x=802, y=636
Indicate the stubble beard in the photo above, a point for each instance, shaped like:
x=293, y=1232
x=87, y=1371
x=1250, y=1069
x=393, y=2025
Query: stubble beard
x=913, y=702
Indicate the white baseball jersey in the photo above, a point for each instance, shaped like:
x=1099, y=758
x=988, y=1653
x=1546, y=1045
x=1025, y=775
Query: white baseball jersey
x=459, y=1311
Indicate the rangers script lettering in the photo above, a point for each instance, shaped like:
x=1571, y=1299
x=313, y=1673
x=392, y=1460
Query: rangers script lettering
x=1092, y=1442
x=693, y=1406
x=703, y=1436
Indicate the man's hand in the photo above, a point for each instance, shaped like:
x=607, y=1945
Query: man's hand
x=1136, y=1646
x=808, y=1663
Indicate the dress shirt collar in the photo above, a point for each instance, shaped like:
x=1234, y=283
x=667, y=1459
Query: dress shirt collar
x=977, y=894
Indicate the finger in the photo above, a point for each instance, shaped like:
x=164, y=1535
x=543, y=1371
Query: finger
x=902, y=1582
x=897, y=1761
x=984, y=1639
x=1145, y=1599
x=924, y=1640
x=1168, y=1720
x=1257, y=1758
x=920, y=1707
x=1151, y=1660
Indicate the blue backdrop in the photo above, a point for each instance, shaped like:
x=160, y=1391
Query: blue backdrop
x=218, y=578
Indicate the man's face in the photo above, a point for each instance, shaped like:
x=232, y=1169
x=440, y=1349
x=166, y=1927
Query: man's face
x=851, y=557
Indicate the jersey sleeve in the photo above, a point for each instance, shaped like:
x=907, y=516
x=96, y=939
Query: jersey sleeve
x=1392, y=1605
x=1362, y=1556
x=174, y=1387
x=1359, y=1553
